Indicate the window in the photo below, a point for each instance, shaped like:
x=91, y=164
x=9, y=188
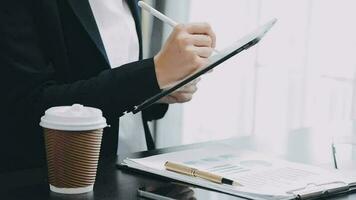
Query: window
x=297, y=84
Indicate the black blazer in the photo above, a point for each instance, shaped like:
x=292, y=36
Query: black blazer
x=51, y=54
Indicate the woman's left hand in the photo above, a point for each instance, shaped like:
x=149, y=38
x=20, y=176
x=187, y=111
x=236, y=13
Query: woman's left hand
x=182, y=95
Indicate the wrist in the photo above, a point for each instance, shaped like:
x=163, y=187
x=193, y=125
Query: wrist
x=162, y=78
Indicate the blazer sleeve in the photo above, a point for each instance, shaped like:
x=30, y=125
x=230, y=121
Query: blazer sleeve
x=155, y=112
x=28, y=79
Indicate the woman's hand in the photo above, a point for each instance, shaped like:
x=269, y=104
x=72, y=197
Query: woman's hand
x=182, y=95
x=186, y=50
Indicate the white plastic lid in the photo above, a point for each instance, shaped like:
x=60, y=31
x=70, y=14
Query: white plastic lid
x=73, y=118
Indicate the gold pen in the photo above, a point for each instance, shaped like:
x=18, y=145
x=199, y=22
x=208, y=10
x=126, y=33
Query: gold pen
x=179, y=168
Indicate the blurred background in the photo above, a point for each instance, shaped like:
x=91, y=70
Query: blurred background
x=293, y=92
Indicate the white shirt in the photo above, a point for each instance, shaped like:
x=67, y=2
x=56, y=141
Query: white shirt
x=118, y=33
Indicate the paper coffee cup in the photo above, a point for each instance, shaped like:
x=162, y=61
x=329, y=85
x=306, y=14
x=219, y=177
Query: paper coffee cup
x=73, y=137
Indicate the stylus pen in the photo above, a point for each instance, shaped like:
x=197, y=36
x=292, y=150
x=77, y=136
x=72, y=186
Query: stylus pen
x=161, y=16
x=182, y=169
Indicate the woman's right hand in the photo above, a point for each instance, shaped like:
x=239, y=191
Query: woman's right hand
x=186, y=50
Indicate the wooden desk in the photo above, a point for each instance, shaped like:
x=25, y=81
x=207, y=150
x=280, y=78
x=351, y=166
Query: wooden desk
x=112, y=183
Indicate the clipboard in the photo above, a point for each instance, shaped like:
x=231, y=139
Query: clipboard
x=243, y=44
x=324, y=190
x=314, y=182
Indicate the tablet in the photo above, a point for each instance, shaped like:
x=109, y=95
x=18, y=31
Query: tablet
x=244, y=43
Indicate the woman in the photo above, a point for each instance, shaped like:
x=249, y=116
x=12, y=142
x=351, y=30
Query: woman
x=69, y=51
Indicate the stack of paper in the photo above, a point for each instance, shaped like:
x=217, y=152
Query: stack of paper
x=262, y=177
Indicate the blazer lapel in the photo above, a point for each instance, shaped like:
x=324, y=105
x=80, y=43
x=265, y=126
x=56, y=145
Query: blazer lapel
x=53, y=36
x=136, y=15
x=84, y=13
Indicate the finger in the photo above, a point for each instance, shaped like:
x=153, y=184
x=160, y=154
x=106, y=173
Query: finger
x=170, y=99
x=187, y=89
x=204, y=52
x=184, y=97
x=200, y=62
x=192, y=83
x=195, y=81
x=202, y=28
x=190, y=89
x=202, y=40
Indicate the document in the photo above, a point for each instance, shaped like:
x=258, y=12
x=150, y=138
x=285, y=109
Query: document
x=262, y=177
